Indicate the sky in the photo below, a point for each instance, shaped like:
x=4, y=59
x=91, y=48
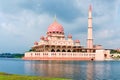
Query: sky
x=22, y=22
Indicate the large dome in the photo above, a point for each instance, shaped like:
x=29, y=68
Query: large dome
x=55, y=27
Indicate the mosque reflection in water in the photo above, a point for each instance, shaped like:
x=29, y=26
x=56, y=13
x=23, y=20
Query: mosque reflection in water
x=67, y=69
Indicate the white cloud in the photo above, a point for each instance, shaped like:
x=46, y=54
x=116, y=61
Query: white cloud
x=20, y=27
x=25, y=27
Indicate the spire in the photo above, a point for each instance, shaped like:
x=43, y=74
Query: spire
x=90, y=11
x=90, y=7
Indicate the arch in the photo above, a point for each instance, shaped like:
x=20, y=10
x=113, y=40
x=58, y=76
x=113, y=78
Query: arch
x=58, y=50
x=74, y=50
x=63, y=50
x=52, y=50
x=105, y=55
x=68, y=51
x=92, y=59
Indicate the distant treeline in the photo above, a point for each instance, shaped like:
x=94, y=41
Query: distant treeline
x=9, y=55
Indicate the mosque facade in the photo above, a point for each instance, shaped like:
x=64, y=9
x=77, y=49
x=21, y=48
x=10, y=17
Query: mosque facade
x=55, y=46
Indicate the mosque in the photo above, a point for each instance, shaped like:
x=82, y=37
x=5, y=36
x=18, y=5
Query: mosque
x=55, y=46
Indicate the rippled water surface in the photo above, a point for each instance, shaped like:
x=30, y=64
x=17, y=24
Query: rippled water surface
x=76, y=70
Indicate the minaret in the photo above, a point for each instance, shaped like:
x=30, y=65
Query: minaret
x=90, y=39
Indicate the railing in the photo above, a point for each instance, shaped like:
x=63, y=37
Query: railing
x=58, y=54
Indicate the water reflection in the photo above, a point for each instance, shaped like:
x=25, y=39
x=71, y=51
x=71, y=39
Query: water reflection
x=51, y=68
x=89, y=71
x=77, y=70
x=66, y=69
x=69, y=69
x=102, y=70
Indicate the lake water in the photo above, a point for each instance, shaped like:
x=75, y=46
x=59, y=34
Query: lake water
x=76, y=70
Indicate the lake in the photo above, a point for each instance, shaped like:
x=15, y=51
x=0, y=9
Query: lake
x=76, y=70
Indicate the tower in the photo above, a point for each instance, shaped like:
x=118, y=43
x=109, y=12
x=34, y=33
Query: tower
x=90, y=39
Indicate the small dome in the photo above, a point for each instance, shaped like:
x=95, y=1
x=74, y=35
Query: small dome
x=46, y=39
x=55, y=27
x=42, y=38
x=77, y=41
x=69, y=36
x=35, y=43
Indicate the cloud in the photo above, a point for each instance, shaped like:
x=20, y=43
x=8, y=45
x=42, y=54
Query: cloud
x=21, y=30
x=64, y=9
x=23, y=21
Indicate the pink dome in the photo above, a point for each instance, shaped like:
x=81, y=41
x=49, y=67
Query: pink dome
x=55, y=27
x=46, y=39
x=77, y=41
x=35, y=43
x=69, y=36
x=42, y=38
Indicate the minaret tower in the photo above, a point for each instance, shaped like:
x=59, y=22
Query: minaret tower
x=90, y=39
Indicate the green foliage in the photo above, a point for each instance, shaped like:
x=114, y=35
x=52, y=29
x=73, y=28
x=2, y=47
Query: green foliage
x=31, y=50
x=114, y=52
x=18, y=55
x=5, y=76
x=13, y=55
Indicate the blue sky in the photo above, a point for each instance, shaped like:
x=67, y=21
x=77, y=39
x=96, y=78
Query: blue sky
x=23, y=21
